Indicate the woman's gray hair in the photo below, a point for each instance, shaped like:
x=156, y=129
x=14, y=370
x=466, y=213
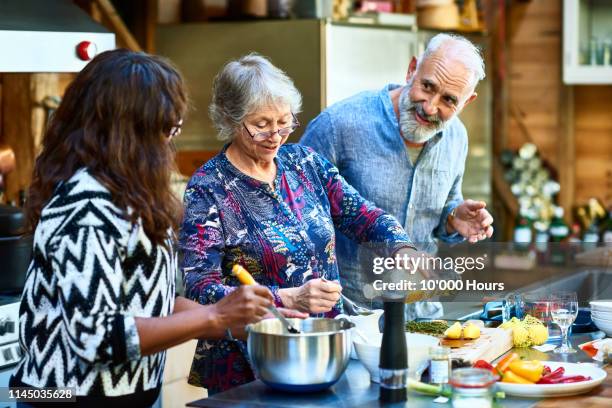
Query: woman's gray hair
x=244, y=86
x=460, y=49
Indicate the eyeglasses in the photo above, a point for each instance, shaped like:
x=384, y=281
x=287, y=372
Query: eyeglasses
x=176, y=130
x=282, y=132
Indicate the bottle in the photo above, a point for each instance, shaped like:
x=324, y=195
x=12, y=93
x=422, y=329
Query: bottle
x=541, y=235
x=558, y=228
x=558, y=233
x=591, y=236
x=393, y=354
x=541, y=241
x=606, y=231
x=574, y=241
x=574, y=237
x=522, y=232
x=440, y=365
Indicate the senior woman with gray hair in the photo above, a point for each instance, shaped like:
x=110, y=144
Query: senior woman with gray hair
x=269, y=207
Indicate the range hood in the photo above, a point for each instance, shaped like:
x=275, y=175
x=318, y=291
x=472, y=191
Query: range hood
x=48, y=36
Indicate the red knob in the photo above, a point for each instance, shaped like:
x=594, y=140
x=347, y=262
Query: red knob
x=86, y=50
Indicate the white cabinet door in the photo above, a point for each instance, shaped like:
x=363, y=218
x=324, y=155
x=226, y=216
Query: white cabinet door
x=587, y=42
x=361, y=58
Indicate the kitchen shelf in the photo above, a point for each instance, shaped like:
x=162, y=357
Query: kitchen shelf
x=587, y=42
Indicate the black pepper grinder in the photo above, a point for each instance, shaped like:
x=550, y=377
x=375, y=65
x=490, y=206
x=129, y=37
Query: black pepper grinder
x=393, y=354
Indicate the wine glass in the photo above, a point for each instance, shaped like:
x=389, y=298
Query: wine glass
x=563, y=310
x=537, y=304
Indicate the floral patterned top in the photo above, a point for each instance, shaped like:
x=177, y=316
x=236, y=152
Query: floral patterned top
x=283, y=235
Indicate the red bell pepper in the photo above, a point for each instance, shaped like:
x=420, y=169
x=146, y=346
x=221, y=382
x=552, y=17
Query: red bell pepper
x=562, y=379
x=551, y=375
x=589, y=348
x=574, y=378
x=483, y=364
x=487, y=366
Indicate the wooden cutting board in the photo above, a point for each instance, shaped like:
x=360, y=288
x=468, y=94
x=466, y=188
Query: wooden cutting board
x=492, y=343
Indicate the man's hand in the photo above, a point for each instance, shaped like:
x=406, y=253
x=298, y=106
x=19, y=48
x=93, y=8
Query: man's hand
x=472, y=221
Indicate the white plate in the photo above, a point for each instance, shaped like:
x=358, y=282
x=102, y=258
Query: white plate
x=603, y=325
x=558, y=390
x=602, y=305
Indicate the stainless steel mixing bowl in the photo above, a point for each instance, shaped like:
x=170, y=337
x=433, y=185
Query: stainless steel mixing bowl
x=309, y=361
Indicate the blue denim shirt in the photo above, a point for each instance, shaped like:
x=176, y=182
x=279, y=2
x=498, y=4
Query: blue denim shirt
x=361, y=137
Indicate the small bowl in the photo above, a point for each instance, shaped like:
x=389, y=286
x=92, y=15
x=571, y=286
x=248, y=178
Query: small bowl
x=418, y=353
x=603, y=325
x=364, y=325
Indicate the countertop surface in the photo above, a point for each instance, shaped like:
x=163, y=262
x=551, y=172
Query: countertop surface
x=354, y=389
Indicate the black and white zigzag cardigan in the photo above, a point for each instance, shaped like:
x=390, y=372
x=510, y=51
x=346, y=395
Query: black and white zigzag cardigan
x=92, y=273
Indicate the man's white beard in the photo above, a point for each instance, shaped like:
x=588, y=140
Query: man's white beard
x=412, y=130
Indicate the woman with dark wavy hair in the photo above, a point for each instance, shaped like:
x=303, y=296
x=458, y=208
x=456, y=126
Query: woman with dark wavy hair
x=99, y=306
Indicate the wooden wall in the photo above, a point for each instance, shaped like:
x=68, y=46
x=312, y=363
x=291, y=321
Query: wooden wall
x=23, y=120
x=534, y=70
x=572, y=126
x=593, y=141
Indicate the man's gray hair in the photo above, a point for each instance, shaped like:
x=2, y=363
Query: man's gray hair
x=460, y=49
x=244, y=86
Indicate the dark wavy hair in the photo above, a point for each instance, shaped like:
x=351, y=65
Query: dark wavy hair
x=115, y=120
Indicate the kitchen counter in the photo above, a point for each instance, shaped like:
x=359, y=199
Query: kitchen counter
x=355, y=390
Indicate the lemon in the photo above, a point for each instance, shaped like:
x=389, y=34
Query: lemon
x=471, y=331
x=453, y=332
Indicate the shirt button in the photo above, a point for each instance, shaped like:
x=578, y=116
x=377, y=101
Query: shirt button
x=410, y=206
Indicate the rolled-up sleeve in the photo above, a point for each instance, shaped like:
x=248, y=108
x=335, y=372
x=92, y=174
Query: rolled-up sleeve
x=455, y=197
x=88, y=267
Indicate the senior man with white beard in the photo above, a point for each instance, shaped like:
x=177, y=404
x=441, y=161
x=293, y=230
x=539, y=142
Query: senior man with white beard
x=404, y=148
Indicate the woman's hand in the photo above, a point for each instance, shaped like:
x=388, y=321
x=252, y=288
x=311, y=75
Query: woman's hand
x=315, y=296
x=247, y=304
